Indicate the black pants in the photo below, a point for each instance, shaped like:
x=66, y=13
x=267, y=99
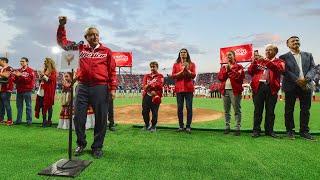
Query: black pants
x=188, y=96
x=97, y=96
x=44, y=115
x=148, y=105
x=264, y=98
x=110, y=112
x=305, y=104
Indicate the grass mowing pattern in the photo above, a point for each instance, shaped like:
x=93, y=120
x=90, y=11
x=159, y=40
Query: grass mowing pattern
x=134, y=154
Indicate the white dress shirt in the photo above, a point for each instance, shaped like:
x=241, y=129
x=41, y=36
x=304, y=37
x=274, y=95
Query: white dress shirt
x=297, y=57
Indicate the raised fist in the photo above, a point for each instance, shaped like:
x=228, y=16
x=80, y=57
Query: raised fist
x=63, y=20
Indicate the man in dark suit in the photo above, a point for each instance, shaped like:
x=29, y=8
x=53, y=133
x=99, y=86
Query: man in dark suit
x=299, y=72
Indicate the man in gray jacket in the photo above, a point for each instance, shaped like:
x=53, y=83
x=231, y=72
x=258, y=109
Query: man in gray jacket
x=299, y=72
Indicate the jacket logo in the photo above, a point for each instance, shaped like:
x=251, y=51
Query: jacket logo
x=85, y=54
x=25, y=74
x=151, y=81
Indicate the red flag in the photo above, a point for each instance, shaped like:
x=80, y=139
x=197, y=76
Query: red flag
x=244, y=53
x=122, y=59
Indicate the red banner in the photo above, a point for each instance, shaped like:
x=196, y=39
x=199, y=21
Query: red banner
x=244, y=53
x=123, y=59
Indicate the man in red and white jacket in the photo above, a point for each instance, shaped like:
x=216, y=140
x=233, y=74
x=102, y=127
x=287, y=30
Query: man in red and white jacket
x=265, y=84
x=152, y=93
x=24, y=79
x=97, y=78
x=231, y=76
x=6, y=87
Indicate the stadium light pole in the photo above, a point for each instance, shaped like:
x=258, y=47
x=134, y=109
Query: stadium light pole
x=66, y=167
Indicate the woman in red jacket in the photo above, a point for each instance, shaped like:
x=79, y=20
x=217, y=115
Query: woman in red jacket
x=46, y=91
x=231, y=76
x=183, y=72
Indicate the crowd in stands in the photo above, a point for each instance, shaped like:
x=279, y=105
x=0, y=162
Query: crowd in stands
x=132, y=82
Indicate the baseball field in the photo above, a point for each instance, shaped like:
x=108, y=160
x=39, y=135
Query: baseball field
x=131, y=153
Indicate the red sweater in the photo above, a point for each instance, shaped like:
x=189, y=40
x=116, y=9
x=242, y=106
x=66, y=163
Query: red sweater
x=155, y=81
x=25, y=82
x=276, y=68
x=96, y=66
x=184, y=81
x=7, y=87
x=236, y=75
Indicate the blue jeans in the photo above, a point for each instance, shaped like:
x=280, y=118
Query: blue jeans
x=5, y=105
x=188, y=96
x=26, y=96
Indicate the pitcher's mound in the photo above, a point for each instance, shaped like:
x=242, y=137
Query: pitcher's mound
x=167, y=114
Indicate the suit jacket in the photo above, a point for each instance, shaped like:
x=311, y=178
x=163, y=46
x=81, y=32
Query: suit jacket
x=292, y=71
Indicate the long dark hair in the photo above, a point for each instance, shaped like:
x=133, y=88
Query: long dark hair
x=188, y=56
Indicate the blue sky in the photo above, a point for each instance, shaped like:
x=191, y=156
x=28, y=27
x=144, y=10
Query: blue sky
x=157, y=30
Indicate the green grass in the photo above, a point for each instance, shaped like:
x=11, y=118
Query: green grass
x=133, y=154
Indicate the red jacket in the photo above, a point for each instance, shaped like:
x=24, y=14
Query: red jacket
x=184, y=82
x=156, y=83
x=276, y=68
x=214, y=86
x=7, y=87
x=236, y=75
x=49, y=88
x=25, y=83
x=96, y=66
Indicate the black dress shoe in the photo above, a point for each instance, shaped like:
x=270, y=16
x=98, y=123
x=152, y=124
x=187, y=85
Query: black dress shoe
x=226, y=131
x=79, y=150
x=255, y=134
x=237, y=133
x=307, y=136
x=97, y=153
x=112, y=128
x=273, y=135
x=291, y=135
x=181, y=129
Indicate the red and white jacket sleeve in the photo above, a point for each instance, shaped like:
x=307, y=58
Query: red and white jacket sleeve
x=222, y=75
x=62, y=40
x=112, y=74
x=276, y=66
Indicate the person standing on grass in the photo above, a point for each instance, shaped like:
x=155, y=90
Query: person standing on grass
x=153, y=88
x=65, y=98
x=96, y=75
x=300, y=71
x=265, y=73
x=6, y=87
x=46, y=92
x=183, y=72
x=24, y=78
x=231, y=76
